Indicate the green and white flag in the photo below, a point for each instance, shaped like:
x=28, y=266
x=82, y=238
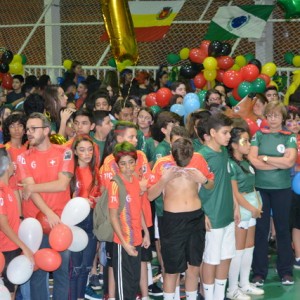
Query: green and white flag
x=232, y=22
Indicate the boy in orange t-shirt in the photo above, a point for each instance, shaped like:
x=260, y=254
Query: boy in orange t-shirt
x=128, y=225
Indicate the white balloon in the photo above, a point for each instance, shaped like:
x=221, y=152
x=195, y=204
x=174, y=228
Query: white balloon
x=4, y=293
x=19, y=270
x=76, y=210
x=80, y=239
x=31, y=233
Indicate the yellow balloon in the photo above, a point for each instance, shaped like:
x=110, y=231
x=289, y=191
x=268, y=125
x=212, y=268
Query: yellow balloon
x=241, y=60
x=16, y=68
x=67, y=64
x=210, y=63
x=273, y=83
x=119, y=26
x=269, y=69
x=210, y=74
x=17, y=59
x=184, y=53
x=235, y=67
x=296, y=60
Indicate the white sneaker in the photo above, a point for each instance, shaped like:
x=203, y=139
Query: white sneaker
x=237, y=295
x=251, y=289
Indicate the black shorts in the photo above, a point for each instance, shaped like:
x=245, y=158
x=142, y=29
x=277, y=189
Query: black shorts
x=295, y=211
x=182, y=240
x=109, y=253
x=9, y=256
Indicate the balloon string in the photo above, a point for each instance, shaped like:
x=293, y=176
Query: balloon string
x=128, y=93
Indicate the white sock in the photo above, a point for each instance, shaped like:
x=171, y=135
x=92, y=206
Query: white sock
x=145, y=298
x=191, y=295
x=150, y=275
x=246, y=266
x=111, y=298
x=169, y=296
x=234, y=270
x=177, y=293
x=208, y=291
x=219, y=292
x=297, y=258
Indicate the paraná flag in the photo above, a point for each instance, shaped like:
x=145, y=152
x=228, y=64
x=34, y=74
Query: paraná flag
x=152, y=19
x=232, y=22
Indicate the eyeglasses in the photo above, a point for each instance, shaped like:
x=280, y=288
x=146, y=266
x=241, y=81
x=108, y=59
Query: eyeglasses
x=32, y=129
x=214, y=99
x=275, y=116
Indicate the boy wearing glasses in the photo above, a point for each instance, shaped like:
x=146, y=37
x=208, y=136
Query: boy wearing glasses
x=45, y=171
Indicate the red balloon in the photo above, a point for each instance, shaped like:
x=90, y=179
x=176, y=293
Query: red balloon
x=151, y=99
x=265, y=77
x=232, y=78
x=47, y=259
x=60, y=237
x=249, y=72
x=252, y=126
x=7, y=81
x=2, y=262
x=225, y=62
x=236, y=95
x=197, y=55
x=44, y=222
x=199, y=81
x=220, y=75
x=204, y=46
x=163, y=96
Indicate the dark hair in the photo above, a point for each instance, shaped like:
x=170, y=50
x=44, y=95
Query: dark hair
x=91, y=101
x=174, y=98
x=210, y=92
x=43, y=81
x=52, y=103
x=2, y=111
x=84, y=83
x=182, y=151
x=99, y=116
x=4, y=160
x=111, y=139
x=124, y=149
x=271, y=88
x=193, y=118
x=120, y=104
x=217, y=121
x=85, y=113
x=75, y=63
x=175, y=85
x=32, y=80
x=27, y=87
x=262, y=98
x=179, y=131
x=159, y=75
x=92, y=165
x=34, y=103
x=13, y=118
x=19, y=77
x=236, y=133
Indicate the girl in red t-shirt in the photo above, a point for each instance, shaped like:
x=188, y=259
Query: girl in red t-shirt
x=86, y=184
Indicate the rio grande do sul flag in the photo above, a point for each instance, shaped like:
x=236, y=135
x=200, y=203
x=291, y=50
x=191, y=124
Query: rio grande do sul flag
x=152, y=19
x=232, y=22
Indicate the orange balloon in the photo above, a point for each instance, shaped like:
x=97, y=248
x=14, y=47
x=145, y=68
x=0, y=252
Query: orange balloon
x=47, y=259
x=2, y=262
x=44, y=222
x=60, y=237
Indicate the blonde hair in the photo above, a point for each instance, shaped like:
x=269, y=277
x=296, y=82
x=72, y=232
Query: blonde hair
x=276, y=106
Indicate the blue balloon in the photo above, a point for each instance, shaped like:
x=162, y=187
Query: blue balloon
x=178, y=109
x=296, y=184
x=191, y=103
x=60, y=80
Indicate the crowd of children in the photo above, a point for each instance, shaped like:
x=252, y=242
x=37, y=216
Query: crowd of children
x=201, y=191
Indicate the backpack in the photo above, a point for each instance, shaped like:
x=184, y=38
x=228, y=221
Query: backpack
x=103, y=229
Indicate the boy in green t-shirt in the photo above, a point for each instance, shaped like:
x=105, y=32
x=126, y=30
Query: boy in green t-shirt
x=218, y=205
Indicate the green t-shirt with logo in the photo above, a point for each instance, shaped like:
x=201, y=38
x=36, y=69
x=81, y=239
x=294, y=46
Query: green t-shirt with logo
x=245, y=180
x=197, y=145
x=273, y=145
x=218, y=202
x=149, y=149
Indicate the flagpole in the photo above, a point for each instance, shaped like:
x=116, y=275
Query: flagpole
x=205, y=9
x=236, y=43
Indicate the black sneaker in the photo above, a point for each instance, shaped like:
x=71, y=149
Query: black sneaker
x=258, y=280
x=287, y=280
x=155, y=290
x=94, y=282
x=91, y=294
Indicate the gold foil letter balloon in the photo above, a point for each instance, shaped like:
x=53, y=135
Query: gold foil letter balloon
x=119, y=27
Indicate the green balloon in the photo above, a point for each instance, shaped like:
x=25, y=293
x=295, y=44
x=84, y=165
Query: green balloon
x=112, y=63
x=245, y=88
x=24, y=59
x=173, y=58
x=249, y=56
x=155, y=109
x=259, y=85
x=232, y=101
x=201, y=95
x=288, y=57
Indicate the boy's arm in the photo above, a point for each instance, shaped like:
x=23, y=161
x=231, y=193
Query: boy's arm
x=114, y=219
x=8, y=231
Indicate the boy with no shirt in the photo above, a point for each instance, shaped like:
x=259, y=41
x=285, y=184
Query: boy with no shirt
x=179, y=176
